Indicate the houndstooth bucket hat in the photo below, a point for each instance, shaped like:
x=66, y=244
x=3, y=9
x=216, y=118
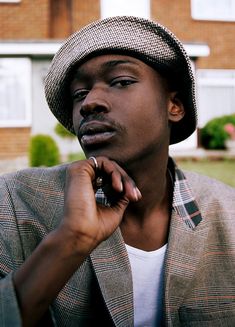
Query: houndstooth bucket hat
x=138, y=37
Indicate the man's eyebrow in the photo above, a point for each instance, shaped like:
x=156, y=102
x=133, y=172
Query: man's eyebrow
x=80, y=72
x=114, y=63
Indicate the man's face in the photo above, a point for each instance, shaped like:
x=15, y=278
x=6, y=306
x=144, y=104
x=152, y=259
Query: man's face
x=120, y=108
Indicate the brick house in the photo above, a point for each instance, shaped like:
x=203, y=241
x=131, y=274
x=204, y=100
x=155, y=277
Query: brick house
x=32, y=31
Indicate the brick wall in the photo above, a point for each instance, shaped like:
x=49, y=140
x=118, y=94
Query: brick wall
x=85, y=12
x=60, y=19
x=14, y=142
x=219, y=36
x=67, y=16
x=45, y=19
x=28, y=19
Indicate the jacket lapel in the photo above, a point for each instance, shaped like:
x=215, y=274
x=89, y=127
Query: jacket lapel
x=187, y=237
x=111, y=265
x=185, y=248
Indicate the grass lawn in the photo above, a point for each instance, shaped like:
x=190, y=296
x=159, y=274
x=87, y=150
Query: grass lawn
x=223, y=170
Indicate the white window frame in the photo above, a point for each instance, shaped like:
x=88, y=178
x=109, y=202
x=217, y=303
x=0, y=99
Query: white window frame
x=20, y=67
x=213, y=10
x=139, y=8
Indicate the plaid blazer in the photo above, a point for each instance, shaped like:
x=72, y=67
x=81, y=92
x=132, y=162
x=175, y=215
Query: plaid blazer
x=199, y=268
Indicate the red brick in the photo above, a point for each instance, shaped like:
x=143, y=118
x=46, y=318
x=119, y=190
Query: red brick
x=14, y=142
x=219, y=36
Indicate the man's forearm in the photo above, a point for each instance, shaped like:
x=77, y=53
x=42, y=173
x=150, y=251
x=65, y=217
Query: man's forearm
x=44, y=274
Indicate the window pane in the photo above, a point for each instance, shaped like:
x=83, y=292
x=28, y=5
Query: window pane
x=216, y=94
x=213, y=9
x=140, y=8
x=15, y=93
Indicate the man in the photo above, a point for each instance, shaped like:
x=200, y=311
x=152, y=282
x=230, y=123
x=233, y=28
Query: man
x=123, y=238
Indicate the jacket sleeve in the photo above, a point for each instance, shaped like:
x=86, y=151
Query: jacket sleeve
x=12, y=253
x=11, y=256
x=18, y=239
x=9, y=310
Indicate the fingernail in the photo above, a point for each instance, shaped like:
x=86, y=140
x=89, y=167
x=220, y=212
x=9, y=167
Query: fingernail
x=121, y=186
x=138, y=194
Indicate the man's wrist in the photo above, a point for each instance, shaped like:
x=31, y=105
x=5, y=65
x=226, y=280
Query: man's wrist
x=69, y=244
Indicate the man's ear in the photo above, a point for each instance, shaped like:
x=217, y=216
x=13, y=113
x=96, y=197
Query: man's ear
x=175, y=108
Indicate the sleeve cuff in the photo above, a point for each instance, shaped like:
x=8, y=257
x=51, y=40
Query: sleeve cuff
x=9, y=308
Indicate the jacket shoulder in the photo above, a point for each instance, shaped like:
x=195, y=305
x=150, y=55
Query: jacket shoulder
x=31, y=176
x=215, y=200
x=201, y=183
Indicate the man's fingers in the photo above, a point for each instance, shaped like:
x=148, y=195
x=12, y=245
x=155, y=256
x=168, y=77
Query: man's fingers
x=121, y=182
x=101, y=171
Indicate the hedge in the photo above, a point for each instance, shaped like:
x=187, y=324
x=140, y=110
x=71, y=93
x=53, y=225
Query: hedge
x=43, y=151
x=213, y=135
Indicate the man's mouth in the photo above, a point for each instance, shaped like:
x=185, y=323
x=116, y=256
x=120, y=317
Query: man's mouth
x=95, y=133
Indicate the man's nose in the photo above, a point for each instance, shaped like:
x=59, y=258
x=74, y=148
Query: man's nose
x=94, y=103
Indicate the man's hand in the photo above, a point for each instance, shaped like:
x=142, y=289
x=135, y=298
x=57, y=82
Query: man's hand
x=88, y=222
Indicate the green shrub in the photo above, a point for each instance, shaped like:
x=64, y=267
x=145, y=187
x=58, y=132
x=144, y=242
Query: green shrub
x=213, y=135
x=63, y=132
x=43, y=151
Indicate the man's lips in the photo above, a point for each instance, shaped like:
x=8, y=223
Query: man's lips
x=95, y=132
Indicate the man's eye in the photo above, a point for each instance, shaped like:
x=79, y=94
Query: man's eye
x=79, y=95
x=122, y=82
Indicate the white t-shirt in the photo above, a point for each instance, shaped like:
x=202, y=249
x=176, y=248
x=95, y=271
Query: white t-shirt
x=147, y=274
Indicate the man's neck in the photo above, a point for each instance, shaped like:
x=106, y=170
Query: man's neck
x=146, y=223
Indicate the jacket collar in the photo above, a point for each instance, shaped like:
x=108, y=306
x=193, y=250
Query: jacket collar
x=184, y=202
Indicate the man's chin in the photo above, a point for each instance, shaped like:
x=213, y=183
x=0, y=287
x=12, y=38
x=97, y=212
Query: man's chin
x=106, y=153
x=100, y=151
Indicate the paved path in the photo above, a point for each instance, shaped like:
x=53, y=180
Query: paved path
x=10, y=165
x=200, y=153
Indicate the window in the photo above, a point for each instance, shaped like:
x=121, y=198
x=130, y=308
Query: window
x=216, y=93
x=222, y=10
x=9, y=1
x=140, y=8
x=15, y=92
